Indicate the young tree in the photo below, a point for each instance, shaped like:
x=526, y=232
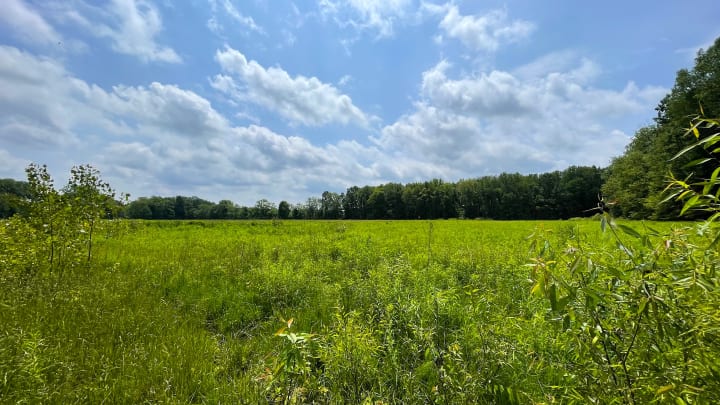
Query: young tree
x=90, y=199
x=65, y=222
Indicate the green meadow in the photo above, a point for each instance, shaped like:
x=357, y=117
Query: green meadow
x=362, y=312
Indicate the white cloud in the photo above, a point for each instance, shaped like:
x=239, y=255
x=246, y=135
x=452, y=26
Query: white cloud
x=299, y=99
x=45, y=106
x=484, y=32
x=230, y=10
x=169, y=109
x=497, y=121
x=492, y=94
x=377, y=15
x=158, y=139
x=34, y=115
x=27, y=24
x=344, y=80
x=132, y=26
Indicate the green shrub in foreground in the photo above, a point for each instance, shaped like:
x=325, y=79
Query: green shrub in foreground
x=642, y=319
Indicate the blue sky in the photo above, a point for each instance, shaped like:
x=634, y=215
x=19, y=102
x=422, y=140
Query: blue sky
x=244, y=100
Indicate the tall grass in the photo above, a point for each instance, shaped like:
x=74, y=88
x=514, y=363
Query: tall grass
x=293, y=312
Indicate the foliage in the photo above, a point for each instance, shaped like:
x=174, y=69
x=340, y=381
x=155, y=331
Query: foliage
x=636, y=180
x=371, y=311
x=643, y=318
x=12, y=195
x=703, y=194
x=382, y=312
x=283, y=210
x=639, y=318
x=560, y=194
x=56, y=229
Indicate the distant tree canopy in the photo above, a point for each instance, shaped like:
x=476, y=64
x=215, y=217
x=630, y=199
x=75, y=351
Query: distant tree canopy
x=636, y=180
x=12, y=195
x=560, y=194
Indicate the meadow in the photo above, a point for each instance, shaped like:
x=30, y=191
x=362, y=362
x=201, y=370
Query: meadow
x=449, y=311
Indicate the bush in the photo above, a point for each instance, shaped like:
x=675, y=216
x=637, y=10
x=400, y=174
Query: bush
x=641, y=318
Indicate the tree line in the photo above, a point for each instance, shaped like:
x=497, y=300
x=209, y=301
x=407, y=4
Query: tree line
x=559, y=194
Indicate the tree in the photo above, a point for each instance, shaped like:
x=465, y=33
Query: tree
x=162, y=207
x=638, y=177
x=330, y=205
x=312, y=208
x=225, y=209
x=283, y=210
x=579, y=188
x=180, y=207
x=65, y=222
x=630, y=176
x=139, y=209
x=91, y=199
x=13, y=194
x=264, y=209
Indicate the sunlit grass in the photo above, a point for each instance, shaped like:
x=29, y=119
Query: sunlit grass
x=400, y=311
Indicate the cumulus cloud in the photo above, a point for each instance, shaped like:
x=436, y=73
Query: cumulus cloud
x=496, y=121
x=488, y=94
x=169, y=108
x=46, y=106
x=484, y=32
x=301, y=100
x=159, y=138
x=34, y=114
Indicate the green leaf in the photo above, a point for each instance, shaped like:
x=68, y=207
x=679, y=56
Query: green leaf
x=664, y=389
x=574, y=265
x=642, y=306
x=566, y=321
x=626, y=229
x=714, y=242
x=692, y=202
x=537, y=289
x=562, y=303
x=625, y=249
x=553, y=297
x=714, y=176
x=697, y=162
x=710, y=139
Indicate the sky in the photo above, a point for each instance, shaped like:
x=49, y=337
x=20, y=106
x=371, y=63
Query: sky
x=282, y=100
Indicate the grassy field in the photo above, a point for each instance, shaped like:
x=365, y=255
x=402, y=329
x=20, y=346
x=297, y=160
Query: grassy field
x=297, y=312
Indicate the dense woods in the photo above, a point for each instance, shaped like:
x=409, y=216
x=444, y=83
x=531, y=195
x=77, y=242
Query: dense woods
x=507, y=196
x=556, y=195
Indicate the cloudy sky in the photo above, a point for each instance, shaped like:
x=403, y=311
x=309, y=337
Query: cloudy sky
x=280, y=99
